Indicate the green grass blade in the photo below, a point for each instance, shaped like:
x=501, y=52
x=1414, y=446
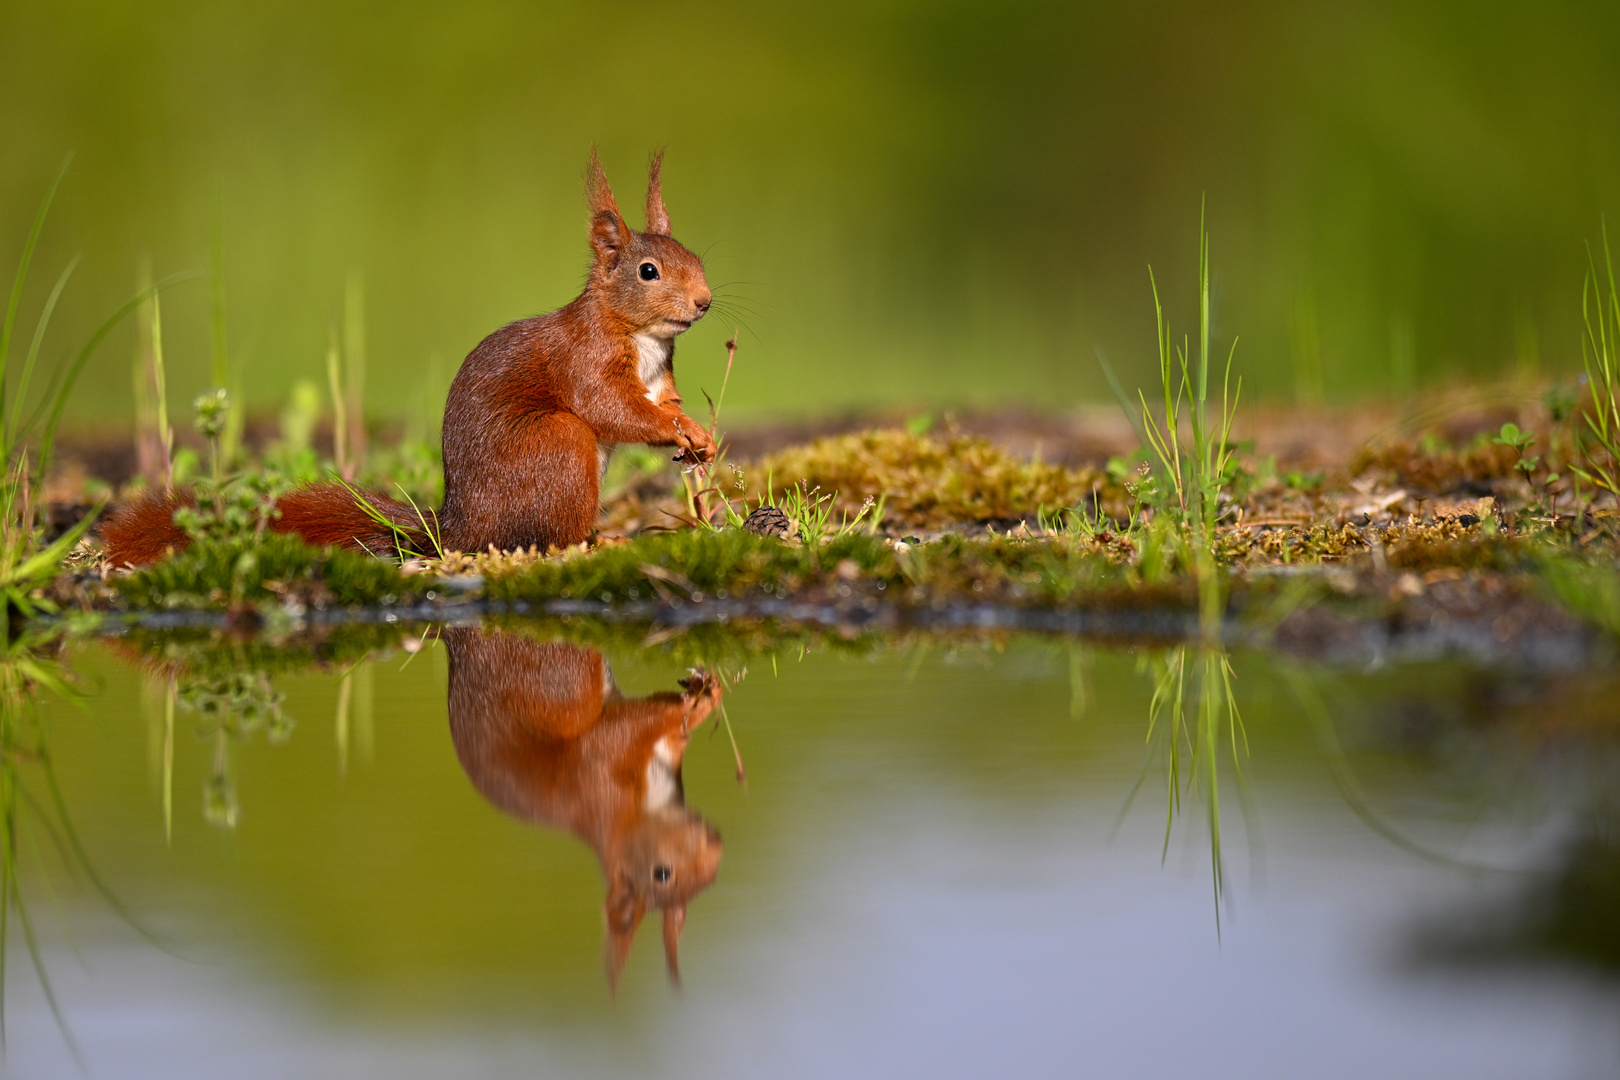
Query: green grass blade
x=1201, y=386
x=1342, y=772
x=736, y=754
x=8, y=874
x=432, y=532
x=401, y=537
x=13, y=434
x=1119, y=395
x=47, y=560
x=81, y=857
x=57, y=400
x=21, y=278
x=216, y=295
x=31, y=940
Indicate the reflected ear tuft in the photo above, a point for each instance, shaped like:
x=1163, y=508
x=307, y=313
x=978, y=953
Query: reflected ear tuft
x=674, y=919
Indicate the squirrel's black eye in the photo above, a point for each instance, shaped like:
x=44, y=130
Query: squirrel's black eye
x=661, y=874
x=649, y=272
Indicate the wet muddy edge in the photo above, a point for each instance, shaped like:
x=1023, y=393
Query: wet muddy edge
x=1545, y=641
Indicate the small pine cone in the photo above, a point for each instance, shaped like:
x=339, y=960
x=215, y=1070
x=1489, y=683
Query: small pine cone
x=767, y=521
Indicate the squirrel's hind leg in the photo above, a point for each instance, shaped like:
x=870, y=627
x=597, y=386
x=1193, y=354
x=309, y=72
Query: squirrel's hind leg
x=544, y=495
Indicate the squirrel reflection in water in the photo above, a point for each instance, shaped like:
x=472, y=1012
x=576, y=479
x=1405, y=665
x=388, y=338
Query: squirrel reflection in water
x=544, y=734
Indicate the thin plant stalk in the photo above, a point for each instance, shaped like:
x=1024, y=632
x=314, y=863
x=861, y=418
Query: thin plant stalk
x=225, y=377
x=341, y=721
x=1195, y=478
x=354, y=364
x=55, y=399
x=340, y=425
x=21, y=277
x=1599, y=348
x=695, y=481
x=13, y=426
x=714, y=413
x=159, y=380
x=1215, y=715
x=216, y=297
x=736, y=754
x=168, y=761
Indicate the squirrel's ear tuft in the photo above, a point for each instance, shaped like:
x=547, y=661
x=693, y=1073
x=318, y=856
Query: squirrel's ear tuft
x=597, y=193
x=674, y=919
x=609, y=233
x=657, y=216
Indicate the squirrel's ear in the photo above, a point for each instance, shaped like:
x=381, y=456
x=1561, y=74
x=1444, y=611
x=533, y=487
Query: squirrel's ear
x=609, y=233
x=609, y=236
x=657, y=216
x=624, y=912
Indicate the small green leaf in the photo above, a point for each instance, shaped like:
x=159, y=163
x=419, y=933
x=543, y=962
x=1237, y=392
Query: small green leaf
x=1511, y=436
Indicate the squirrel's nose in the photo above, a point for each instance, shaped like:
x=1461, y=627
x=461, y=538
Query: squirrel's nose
x=702, y=301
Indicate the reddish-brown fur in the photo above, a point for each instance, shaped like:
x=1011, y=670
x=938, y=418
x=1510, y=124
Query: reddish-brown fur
x=327, y=514
x=526, y=413
x=544, y=735
x=142, y=531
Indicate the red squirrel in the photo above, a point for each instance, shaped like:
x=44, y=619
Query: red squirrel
x=544, y=734
x=531, y=418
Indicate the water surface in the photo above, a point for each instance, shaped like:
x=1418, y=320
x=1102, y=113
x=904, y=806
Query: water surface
x=933, y=867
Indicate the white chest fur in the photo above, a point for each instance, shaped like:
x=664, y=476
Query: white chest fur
x=652, y=366
x=663, y=789
x=652, y=362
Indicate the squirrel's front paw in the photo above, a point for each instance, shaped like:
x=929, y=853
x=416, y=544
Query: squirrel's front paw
x=703, y=446
x=702, y=694
x=695, y=443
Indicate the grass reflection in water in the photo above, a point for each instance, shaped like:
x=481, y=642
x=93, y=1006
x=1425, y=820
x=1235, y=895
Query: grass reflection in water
x=1193, y=717
x=34, y=812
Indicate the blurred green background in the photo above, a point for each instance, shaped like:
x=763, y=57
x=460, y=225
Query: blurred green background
x=914, y=203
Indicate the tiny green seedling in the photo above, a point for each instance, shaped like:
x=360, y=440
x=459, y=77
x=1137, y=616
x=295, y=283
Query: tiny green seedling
x=1303, y=481
x=1520, y=442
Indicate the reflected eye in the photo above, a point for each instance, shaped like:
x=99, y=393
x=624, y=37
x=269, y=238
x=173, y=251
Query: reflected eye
x=649, y=272
x=661, y=874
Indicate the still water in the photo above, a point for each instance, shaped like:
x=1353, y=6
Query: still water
x=488, y=857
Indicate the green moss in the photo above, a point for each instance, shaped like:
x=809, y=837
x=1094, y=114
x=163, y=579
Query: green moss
x=736, y=564
x=277, y=566
x=1427, y=545
x=731, y=645
x=206, y=653
x=687, y=562
x=1439, y=468
x=1420, y=554
x=929, y=484
x=1083, y=560
x=215, y=655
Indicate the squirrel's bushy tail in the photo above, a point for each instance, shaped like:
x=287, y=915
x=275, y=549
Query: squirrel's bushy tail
x=330, y=515
x=143, y=531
